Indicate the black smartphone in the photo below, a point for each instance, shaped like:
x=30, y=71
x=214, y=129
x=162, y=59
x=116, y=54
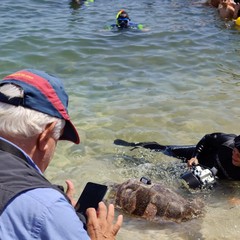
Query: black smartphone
x=92, y=194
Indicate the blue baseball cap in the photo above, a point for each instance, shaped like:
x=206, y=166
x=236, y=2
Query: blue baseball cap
x=43, y=93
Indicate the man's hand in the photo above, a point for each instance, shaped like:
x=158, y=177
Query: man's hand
x=100, y=224
x=70, y=192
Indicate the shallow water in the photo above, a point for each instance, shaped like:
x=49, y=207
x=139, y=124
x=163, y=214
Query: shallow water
x=171, y=84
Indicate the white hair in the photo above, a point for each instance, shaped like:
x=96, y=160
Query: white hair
x=17, y=121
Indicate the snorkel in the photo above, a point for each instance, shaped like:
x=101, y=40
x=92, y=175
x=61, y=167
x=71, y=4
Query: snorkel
x=122, y=19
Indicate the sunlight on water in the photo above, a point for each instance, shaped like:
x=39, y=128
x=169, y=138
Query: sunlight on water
x=170, y=84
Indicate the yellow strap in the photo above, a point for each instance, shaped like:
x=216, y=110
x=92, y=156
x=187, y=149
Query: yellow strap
x=119, y=13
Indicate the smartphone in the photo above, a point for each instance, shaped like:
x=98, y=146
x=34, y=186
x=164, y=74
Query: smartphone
x=92, y=194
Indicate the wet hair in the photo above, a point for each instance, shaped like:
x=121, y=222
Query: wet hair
x=122, y=19
x=122, y=14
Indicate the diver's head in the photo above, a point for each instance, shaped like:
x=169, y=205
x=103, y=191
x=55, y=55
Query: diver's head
x=122, y=19
x=236, y=152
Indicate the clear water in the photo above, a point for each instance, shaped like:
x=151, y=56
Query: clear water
x=171, y=84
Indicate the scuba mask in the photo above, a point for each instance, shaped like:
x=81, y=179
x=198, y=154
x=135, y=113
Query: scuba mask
x=122, y=19
x=123, y=22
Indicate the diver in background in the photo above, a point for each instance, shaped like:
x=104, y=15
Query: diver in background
x=124, y=22
x=75, y=4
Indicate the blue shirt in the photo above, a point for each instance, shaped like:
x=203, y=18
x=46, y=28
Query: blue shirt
x=42, y=213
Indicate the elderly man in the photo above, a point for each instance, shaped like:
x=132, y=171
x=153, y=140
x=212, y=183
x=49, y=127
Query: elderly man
x=33, y=117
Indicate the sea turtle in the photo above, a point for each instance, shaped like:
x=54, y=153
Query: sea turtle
x=154, y=202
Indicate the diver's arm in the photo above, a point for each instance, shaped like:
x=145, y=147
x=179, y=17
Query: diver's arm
x=211, y=142
x=207, y=145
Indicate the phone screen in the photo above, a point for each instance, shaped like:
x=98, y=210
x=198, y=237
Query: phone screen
x=92, y=194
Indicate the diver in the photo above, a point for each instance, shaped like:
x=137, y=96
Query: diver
x=219, y=150
x=124, y=22
x=75, y=4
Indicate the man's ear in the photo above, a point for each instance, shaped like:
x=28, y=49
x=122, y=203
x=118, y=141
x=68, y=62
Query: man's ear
x=45, y=135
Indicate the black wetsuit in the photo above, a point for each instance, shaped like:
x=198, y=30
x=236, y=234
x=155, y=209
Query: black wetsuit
x=213, y=150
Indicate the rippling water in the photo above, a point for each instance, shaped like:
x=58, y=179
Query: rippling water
x=171, y=84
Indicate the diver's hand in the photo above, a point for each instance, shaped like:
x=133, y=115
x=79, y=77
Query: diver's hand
x=100, y=224
x=192, y=161
x=70, y=192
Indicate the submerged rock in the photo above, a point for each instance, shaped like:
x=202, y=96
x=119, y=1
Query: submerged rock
x=155, y=202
